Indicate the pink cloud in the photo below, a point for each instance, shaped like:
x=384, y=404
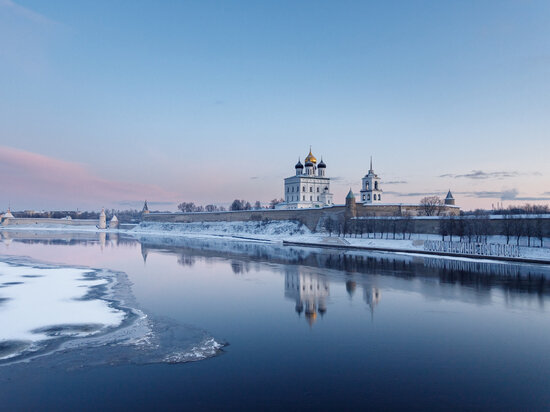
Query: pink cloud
x=31, y=177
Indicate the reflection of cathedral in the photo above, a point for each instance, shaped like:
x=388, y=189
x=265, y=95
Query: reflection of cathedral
x=372, y=296
x=310, y=291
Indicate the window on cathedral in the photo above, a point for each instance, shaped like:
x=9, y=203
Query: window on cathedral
x=379, y=198
x=310, y=189
x=368, y=197
x=317, y=189
x=367, y=186
x=317, y=198
x=363, y=197
x=287, y=189
x=375, y=185
x=304, y=198
x=304, y=189
x=310, y=198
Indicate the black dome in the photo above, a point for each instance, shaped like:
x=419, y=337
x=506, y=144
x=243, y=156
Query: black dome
x=322, y=165
x=299, y=165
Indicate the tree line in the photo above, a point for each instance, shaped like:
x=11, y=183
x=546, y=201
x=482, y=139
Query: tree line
x=237, y=204
x=471, y=228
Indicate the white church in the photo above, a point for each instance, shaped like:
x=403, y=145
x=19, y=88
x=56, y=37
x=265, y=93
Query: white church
x=310, y=187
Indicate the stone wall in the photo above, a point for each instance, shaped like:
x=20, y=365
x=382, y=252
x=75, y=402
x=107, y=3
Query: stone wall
x=312, y=218
x=48, y=221
x=309, y=217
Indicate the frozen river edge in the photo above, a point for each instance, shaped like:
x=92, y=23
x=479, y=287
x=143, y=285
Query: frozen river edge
x=84, y=316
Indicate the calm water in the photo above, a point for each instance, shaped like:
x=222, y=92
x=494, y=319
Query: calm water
x=307, y=329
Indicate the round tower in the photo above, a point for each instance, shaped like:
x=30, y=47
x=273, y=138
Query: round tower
x=351, y=207
x=113, y=224
x=450, y=200
x=102, y=220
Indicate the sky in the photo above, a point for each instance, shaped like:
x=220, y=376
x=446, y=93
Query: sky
x=106, y=104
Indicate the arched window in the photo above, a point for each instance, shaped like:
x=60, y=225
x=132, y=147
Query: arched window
x=317, y=189
x=304, y=197
x=310, y=198
x=317, y=198
x=375, y=185
x=311, y=189
x=304, y=189
x=288, y=189
x=379, y=198
x=368, y=197
x=363, y=197
x=366, y=185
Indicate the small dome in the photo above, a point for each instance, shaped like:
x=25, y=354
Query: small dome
x=322, y=165
x=299, y=165
x=309, y=164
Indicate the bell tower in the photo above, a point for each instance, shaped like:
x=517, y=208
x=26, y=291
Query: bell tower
x=370, y=190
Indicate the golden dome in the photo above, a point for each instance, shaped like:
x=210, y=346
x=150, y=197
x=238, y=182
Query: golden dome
x=311, y=158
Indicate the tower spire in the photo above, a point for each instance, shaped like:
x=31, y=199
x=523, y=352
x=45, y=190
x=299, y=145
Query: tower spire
x=371, y=163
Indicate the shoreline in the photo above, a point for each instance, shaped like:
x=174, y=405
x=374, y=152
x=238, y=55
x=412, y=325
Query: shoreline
x=301, y=239
x=416, y=252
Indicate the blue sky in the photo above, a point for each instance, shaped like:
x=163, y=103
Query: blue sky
x=209, y=101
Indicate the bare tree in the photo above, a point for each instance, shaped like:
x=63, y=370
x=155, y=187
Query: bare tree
x=329, y=225
x=517, y=228
x=431, y=205
x=507, y=227
x=539, y=229
x=187, y=207
x=275, y=202
x=406, y=224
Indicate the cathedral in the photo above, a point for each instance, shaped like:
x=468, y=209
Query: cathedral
x=309, y=187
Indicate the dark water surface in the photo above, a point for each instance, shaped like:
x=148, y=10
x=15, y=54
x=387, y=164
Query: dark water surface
x=307, y=329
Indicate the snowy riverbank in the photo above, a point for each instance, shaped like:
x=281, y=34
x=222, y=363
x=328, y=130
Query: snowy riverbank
x=289, y=232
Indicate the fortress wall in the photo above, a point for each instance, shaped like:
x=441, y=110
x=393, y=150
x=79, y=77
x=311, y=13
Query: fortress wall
x=308, y=217
x=400, y=210
x=314, y=218
x=49, y=221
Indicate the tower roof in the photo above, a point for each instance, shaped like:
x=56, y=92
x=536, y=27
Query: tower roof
x=449, y=195
x=299, y=165
x=350, y=195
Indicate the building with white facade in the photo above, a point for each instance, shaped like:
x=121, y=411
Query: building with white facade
x=309, y=187
x=371, y=191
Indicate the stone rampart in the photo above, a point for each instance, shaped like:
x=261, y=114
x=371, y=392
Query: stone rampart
x=29, y=221
x=308, y=217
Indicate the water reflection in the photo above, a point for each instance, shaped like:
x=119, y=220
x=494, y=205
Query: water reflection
x=469, y=280
x=310, y=292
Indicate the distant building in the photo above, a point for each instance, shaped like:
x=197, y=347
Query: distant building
x=371, y=192
x=145, y=209
x=113, y=224
x=102, y=220
x=450, y=200
x=309, y=187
